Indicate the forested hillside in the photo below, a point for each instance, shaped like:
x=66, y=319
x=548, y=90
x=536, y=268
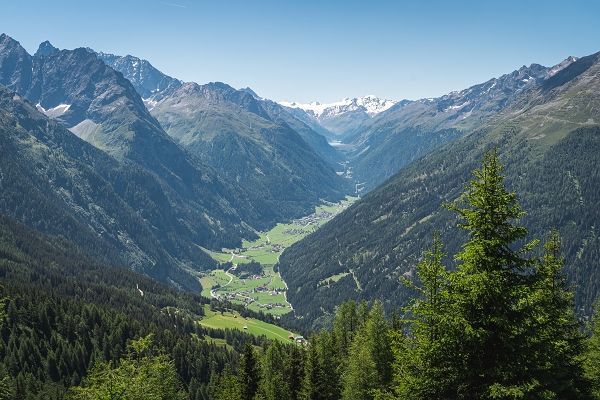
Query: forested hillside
x=65, y=311
x=548, y=140
x=230, y=130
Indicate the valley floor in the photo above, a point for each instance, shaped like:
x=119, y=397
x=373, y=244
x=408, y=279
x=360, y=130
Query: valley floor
x=266, y=291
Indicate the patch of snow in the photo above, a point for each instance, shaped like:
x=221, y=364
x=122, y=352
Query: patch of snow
x=54, y=112
x=150, y=104
x=457, y=107
x=490, y=88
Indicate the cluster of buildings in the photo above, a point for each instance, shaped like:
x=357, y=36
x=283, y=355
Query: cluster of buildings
x=313, y=218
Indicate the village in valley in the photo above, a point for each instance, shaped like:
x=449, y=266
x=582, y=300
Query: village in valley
x=246, y=290
x=262, y=289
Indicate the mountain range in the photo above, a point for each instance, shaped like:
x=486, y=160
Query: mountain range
x=337, y=119
x=154, y=203
x=290, y=169
x=145, y=171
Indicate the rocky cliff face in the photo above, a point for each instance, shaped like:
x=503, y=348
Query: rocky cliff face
x=16, y=65
x=147, y=80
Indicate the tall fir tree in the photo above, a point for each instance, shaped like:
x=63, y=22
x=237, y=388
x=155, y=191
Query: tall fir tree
x=490, y=289
x=294, y=371
x=502, y=324
x=558, y=333
x=359, y=376
x=424, y=368
x=273, y=385
x=379, y=344
x=249, y=372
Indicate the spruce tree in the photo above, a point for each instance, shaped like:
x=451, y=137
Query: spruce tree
x=424, y=359
x=379, y=344
x=592, y=360
x=249, y=372
x=141, y=375
x=501, y=325
x=490, y=290
x=294, y=371
x=360, y=375
x=273, y=385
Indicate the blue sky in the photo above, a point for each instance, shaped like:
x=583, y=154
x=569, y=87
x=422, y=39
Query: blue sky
x=319, y=50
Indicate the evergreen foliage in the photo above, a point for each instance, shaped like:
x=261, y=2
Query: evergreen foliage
x=249, y=373
x=65, y=313
x=140, y=375
x=500, y=326
x=382, y=237
x=489, y=291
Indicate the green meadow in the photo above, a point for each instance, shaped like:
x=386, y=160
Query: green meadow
x=235, y=321
x=266, y=250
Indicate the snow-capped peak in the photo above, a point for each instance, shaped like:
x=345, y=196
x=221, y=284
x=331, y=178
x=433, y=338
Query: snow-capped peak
x=371, y=104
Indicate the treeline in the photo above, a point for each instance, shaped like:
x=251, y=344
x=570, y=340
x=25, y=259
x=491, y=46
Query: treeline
x=326, y=367
x=247, y=269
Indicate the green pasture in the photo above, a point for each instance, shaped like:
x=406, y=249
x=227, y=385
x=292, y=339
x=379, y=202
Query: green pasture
x=235, y=321
x=276, y=236
x=333, y=278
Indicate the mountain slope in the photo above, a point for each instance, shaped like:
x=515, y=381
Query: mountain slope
x=65, y=311
x=392, y=139
x=316, y=141
x=549, y=141
x=101, y=106
x=304, y=126
x=57, y=183
x=231, y=131
x=272, y=163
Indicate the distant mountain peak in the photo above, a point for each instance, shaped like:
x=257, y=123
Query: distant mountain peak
x=147, y=80
x=562, y=65
x=251, y=92
x=45, y=49
x=370, y=104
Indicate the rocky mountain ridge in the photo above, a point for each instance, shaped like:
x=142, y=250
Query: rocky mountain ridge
x=146, y=79
x=384, y=144
x=335, y=119
x=232, y=131
x=185, y=205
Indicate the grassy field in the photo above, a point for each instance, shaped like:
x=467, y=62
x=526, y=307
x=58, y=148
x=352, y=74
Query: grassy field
x=266, y=250
x=250, y=325
x=216, y=277
x=268, y=247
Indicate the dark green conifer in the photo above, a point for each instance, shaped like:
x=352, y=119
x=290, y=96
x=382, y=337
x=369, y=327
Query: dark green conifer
x=249, y=372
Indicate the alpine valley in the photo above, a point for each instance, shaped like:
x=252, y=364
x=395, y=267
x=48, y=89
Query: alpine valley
x=107, y=162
